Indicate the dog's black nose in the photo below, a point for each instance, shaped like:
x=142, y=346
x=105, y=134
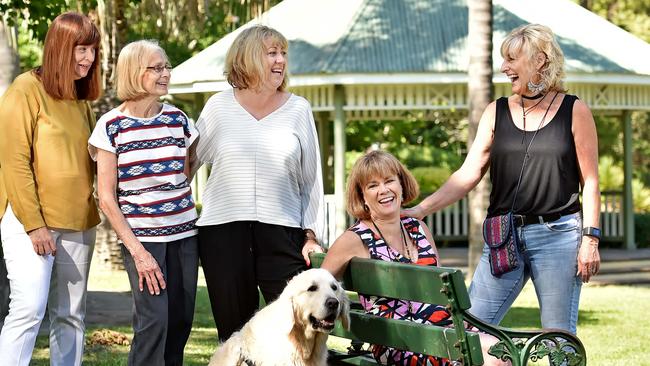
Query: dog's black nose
x=332, y=303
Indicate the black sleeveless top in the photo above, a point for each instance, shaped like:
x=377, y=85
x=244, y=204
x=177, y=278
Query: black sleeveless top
x=551, y=180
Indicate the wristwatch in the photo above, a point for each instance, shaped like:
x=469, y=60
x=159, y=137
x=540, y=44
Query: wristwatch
x=591, y=231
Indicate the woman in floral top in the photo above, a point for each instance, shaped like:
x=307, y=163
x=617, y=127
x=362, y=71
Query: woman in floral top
x=377, y=187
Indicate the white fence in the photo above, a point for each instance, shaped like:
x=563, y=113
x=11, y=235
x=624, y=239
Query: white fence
x=452, y=223
x=611, y=215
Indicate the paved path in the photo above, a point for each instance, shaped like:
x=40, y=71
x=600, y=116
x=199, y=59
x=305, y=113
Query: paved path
x=618, y=267
x=109, y=308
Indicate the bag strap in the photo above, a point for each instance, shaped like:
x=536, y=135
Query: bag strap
x=523, y=165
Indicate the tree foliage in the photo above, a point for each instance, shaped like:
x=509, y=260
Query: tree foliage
x=631, y=15
x=183, y=27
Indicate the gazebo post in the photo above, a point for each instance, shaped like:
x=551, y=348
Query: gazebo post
x=201, y=176
x=423, y=70
x=628, y=204
x=322, y=123
x=339, y=158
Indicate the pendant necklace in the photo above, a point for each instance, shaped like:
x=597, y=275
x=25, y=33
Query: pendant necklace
x=526, y=111
x=541, y=122
x=407, y=251
x=407, y=254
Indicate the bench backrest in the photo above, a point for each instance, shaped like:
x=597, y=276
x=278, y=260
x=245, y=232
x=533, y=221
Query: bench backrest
x=433, y=285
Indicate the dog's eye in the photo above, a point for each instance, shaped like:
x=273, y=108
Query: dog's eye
x=334, y=287
x=312, y=288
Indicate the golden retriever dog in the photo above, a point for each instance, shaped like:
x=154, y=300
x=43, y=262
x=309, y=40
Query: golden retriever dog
x=292, y=330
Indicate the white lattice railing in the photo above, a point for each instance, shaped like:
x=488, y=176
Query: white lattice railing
x=611, y=215
x=392, y=101
x=452, y=222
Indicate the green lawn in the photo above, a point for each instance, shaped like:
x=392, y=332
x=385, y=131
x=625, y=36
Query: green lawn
x=613, y=324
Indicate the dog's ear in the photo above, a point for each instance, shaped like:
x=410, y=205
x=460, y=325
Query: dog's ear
x=292, y=288
x=344, y=315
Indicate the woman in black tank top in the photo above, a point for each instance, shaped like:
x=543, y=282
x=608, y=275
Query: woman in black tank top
x=558, y=134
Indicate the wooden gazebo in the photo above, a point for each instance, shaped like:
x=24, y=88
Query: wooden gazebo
x=382, y=59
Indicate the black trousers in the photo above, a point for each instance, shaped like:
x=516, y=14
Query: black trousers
x=162, y=323
x=239, y=256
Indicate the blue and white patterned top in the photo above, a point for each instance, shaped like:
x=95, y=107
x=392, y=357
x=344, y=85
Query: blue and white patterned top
x=152, y=190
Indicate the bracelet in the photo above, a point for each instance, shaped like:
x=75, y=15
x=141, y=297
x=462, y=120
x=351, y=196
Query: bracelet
x=311, y=239
x=591, y=231
x=310, y=235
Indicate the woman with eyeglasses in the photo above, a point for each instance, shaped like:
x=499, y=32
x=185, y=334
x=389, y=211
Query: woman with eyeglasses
x=47, y=210
x=143, y=170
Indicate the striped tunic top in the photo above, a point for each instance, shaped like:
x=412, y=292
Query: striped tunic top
x=267, y=170
x=152, y=190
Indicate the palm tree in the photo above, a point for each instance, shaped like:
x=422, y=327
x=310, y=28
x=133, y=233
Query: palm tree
x=479, y=44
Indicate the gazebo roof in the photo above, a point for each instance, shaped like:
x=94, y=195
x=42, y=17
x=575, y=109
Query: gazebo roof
x=419, y=41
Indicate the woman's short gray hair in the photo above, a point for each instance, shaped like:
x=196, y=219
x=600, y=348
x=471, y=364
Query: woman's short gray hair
x=131, y=65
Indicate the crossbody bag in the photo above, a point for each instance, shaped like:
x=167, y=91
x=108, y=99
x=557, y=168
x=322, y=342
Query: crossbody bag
x=500, y=232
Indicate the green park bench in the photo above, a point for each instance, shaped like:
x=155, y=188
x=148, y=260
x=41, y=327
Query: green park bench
x=445, y=286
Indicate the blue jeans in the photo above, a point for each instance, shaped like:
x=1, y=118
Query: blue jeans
x=548, y=254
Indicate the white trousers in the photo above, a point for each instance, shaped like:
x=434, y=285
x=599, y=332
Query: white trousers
x=33, y=279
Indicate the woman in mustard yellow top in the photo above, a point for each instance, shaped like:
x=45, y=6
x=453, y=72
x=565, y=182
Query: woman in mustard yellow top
x=47, y=209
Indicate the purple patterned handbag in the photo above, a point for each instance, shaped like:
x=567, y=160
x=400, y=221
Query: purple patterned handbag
x=500, y=235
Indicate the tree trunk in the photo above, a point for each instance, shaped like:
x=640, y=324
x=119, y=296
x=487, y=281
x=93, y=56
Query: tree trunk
x=479, y=44
x=9, y=62
x=9, y=68
x=113, y=27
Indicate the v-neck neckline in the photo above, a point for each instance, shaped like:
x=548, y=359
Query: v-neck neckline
x=394, y=252
x=280, y=107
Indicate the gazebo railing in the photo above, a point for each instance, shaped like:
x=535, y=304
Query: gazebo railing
x=452, y=222
x=611, y=215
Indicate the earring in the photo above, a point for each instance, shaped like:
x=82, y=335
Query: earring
x=365, y=207
x=536, y=88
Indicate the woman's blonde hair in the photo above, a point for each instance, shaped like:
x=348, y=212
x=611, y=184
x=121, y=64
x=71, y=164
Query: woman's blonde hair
x=531, y=39
x=245, y=67
x=382, y=164
x=131, y=65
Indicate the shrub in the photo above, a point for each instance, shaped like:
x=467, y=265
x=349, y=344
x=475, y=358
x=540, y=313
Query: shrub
x=642, y=230
x=430, y=178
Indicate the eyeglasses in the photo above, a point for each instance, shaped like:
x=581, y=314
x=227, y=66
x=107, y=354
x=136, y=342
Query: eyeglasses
x=159, y=68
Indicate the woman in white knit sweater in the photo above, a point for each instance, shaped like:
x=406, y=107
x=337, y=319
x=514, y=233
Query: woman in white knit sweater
x=263, y=203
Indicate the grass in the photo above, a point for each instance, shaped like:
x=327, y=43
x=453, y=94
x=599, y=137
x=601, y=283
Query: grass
x=613, y=325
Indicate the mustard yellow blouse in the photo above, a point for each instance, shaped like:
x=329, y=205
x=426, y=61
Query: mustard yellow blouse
x=46, y=173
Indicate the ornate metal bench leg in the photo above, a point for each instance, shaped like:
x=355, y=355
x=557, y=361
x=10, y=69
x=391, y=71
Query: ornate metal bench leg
x=561, y=349
x=356, y=348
